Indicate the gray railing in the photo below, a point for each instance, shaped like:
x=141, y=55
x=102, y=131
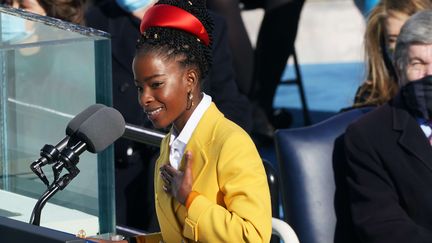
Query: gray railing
x=143, y=135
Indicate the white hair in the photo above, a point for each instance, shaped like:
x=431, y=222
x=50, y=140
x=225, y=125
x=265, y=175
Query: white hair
x=417, y=30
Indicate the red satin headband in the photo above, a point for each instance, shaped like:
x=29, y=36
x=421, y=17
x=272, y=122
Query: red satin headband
x=164, y=15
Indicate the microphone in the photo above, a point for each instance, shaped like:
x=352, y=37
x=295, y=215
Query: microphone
x=102, y=129
x=76, y=122
x=95, y=134
x=49, y=153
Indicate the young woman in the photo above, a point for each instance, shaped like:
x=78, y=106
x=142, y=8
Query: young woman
x=382, y=28
x=210, y=183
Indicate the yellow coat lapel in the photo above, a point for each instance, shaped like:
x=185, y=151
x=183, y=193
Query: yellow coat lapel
x=166, y=206
x=198, y=144
x=200, y=140
x=164, y=202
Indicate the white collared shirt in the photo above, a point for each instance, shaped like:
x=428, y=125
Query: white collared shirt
x=178, y=142
x=425, y=127
x=427, y=130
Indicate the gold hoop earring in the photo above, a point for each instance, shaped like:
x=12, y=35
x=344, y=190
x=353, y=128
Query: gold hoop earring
x=189, y=101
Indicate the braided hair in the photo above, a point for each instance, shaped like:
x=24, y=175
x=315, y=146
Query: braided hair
x=174, y=42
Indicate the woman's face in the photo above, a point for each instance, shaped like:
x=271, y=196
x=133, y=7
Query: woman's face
x=163, y=85
x=393, y=24
x=30, y=6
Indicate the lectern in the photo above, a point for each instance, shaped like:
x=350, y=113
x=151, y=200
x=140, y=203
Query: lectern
x=16, y=231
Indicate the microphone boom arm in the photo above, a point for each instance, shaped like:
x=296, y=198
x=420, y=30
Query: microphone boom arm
x=60, y=184
x=49, y=154
x=69, y=157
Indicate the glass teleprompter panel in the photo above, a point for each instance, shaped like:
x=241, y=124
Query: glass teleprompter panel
x=50, y=71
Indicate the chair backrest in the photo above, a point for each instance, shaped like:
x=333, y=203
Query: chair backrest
x=283, y=231
x=309, y=176
x=273, y=182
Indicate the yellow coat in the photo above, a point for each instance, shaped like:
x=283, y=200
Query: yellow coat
x=234, y=205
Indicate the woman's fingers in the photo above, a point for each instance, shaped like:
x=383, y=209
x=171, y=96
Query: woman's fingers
x=178, y=183
x=165, y=179
x=170, y=170
x=188, y=169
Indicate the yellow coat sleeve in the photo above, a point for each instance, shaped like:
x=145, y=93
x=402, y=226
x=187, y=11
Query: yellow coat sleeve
x=246, y=216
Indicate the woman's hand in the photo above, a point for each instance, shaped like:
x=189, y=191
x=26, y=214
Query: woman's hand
x=177, y=183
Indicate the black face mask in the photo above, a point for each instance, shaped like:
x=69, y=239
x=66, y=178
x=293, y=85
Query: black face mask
x=417, y=96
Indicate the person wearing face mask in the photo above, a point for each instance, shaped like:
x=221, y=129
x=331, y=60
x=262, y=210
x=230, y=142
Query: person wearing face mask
x=382, y=28
x=134, y=162
x=18, y=30
x=67, y=10
x=389, y=150
x=14, y=29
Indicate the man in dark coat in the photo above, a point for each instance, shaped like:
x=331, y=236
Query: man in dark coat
x=389, y=152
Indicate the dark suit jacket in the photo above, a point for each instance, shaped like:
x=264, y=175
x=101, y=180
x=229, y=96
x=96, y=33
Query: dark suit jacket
x=390, y=176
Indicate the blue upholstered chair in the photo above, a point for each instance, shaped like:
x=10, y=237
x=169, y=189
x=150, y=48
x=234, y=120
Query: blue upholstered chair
x=312, y=169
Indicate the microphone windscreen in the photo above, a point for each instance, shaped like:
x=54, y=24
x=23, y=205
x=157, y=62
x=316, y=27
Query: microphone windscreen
x=76, y=122
x=101, y=129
